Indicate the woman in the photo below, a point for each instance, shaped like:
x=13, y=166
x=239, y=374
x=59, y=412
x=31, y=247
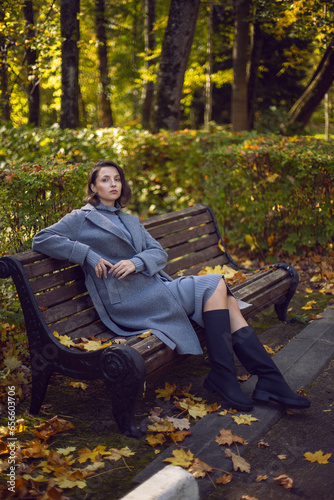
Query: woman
x=123, y=266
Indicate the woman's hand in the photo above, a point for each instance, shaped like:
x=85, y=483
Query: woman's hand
x=119, y=270
x=101, y=268
x=122, y=269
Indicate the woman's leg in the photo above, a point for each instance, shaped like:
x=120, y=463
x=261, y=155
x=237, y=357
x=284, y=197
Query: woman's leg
x=222, y=377
x=271, y=384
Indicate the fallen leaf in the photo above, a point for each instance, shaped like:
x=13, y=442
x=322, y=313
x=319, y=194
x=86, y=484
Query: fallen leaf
x=156, y=439
x=309, y=305
x=199, y=468
x=282, y=457
x=244, y=418
x=179, y=423
x=12, y=362
x=181, y=457
x=238, y=461
x=79, y=385
x=179, y=436
x=247, y=497
x=285, y=481
x=227, y=437
x=145, y=334
x=116, y=454
x=225, y=479
x=318, y=456
x=260, y=478
x=262, y=444
x=52, y=427
x=167, y=392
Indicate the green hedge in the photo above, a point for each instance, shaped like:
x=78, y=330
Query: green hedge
x=270, y=194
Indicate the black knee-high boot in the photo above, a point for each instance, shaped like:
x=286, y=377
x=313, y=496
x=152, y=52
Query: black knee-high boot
x=222, y=377
x=271, y=384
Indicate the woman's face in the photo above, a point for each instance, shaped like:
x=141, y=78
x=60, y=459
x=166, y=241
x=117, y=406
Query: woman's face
x=108, y=185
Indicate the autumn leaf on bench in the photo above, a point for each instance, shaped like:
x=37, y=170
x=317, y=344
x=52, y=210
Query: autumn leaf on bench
x=318, y=456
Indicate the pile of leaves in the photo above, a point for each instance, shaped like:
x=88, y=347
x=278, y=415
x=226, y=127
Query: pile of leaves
x=44, y=472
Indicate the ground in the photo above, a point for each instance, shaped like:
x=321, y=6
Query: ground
x=90, y=412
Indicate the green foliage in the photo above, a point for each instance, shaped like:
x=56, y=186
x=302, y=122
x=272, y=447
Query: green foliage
x=271, y=195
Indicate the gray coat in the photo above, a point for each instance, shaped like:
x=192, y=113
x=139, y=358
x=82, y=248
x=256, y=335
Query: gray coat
x=136, y=303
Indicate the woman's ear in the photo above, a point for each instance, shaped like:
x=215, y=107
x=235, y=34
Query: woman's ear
x=93, y=188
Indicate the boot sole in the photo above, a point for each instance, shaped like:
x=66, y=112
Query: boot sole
x=209, y=386
x=263, y=396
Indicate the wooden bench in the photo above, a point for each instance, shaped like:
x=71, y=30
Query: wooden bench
x=54, y=298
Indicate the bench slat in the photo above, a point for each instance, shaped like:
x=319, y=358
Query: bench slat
x=180, y=225
x=61, y=294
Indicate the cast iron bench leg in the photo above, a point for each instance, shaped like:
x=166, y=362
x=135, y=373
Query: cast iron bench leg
x=124, y=372
x=41, y=373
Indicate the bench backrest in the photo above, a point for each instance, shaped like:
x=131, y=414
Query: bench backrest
x=190, y=237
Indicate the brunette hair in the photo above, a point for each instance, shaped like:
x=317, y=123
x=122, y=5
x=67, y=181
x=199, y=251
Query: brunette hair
x=93, y=198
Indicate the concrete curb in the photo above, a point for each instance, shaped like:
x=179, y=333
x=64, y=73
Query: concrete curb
x=171, y=483
x=301, y=361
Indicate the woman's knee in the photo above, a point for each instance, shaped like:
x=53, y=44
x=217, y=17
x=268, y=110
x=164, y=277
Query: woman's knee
x=218, y=300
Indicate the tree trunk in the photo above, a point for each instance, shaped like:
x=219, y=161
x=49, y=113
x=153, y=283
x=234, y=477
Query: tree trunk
x=4, y=102
x=175, y=53
x=31, y=59
x=240, y=60
x=150, y=45
x=105, y=113
x=69, y=12
x=208, y=83
x=256, y=51
x=302, y=110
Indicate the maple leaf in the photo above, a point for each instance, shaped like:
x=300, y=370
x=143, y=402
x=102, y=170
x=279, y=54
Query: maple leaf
x=181, y=457
x=167, y=392
x=238, y=462
x=179, y=436
x=12, y=362
x=309, y=305
x=179, y=423
x=87, y=454
x=52, y=427
x=318, y=456
x=285, y=481
x=35, y=449
x=162, y=426
x=199, y=468
x=156, y=439
x=225, y=479
x=66, y=451
x=232, y=411
x=244, y=418
x=118, y=454
x=64, y=339
x=227, y=437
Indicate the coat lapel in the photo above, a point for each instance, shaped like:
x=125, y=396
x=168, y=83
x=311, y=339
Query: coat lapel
x=104, y=223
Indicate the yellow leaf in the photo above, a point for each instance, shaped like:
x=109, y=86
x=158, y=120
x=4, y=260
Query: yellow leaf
x=64, y=339
x=156, y=439
x=12, y=363
x=260, y=478
x=145, y=334
x=318, y=456
x=269, y=349
x=221, y=246
x=244, y=418
x=251, y=240
x=66, y=451
x=308, y=290
x=309, y=305
x=79, y=385
x=181, y=457
x=116, y=454
x=87, y=454
x=167, y=392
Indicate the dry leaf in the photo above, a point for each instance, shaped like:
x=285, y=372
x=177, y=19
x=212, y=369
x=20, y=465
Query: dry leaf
x=247, y=497
x=238, y=462
x=199, y=468
x=227, y=437
x=179, y=436
x=52, y=427
x=156, y=439
x=79, y=385
x=260, y=478
x=262, y=444
x=179, y=423
x=285, y=481
x=225, y=479
x=318, y=456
